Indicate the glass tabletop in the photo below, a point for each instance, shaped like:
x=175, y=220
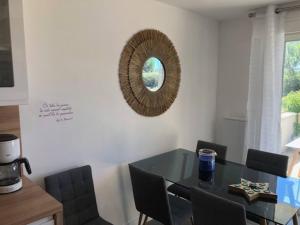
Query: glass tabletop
x=180, y=166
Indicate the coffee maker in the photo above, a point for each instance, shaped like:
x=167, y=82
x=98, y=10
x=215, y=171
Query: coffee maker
x=10, y=164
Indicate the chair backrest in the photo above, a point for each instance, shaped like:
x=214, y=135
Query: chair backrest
x=210, y=209
x=221, y=150
x=267, y=162
x=150, y=195
x=75, y=190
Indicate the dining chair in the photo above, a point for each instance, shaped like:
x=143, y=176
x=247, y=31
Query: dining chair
x=75, y=190
x=267, y=162
x=221, y=151
x=151, y=199
x=210, y=209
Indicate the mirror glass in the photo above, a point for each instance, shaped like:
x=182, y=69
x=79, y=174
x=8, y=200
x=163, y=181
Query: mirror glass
x=153, y=74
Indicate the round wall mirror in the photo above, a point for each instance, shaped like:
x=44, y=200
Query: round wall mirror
x=149, y=72
x=153, y=74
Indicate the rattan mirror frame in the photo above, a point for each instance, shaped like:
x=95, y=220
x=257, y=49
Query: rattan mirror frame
x=143, y=45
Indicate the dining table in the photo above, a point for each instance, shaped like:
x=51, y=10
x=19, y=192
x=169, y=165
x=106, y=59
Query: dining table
x=181, y=167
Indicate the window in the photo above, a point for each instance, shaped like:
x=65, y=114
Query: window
x=290, y=121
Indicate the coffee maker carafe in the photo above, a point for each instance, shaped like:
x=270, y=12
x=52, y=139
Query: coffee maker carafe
x=10, y=164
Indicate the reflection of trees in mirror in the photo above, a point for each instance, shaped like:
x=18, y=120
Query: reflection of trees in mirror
x=150, y=81
x=153, y=74
x=149, y=65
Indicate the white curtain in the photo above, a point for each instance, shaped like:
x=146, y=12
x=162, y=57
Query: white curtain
x=265, y=82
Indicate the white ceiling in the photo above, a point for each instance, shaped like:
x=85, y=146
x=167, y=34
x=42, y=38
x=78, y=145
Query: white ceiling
x=222, y=9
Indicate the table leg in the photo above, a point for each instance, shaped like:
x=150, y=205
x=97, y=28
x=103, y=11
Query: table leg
x=58, y=218
x=295, y=219
x=262, y=221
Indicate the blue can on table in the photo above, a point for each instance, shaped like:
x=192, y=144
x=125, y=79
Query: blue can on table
x=207, y=160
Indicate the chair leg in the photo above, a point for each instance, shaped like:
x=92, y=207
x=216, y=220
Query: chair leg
x=263, y=221
x=295, y=219
x=192, y=221
x=140, y=219
x=145, y=220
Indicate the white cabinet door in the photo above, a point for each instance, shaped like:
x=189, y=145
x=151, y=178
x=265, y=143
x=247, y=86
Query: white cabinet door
x=51, y=222
x=45, y=221
x=18, y=94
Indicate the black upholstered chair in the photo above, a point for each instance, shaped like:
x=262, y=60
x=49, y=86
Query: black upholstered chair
x=151, y=199
x=75, y=190
x=221, y=155
x=267, y=162
x=221, y=150
x=209, y=209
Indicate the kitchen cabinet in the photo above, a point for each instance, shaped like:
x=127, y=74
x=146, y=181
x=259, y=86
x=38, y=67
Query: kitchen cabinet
x=30, y=205
x=13, y=72
x=44, y=221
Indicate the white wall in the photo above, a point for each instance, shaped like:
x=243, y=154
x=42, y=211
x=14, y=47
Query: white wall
x=73, y=49
x=232, y=94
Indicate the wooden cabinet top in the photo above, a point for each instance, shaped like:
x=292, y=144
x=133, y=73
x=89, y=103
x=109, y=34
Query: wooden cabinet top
x=27, y=205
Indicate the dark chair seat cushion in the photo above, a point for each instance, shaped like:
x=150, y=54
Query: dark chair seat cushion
x=181, y=210
x=179, y=190
x=98, y=221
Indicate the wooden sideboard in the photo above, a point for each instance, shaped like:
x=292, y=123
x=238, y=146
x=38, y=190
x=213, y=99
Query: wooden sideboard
x=31, y=203
x=28, y=205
